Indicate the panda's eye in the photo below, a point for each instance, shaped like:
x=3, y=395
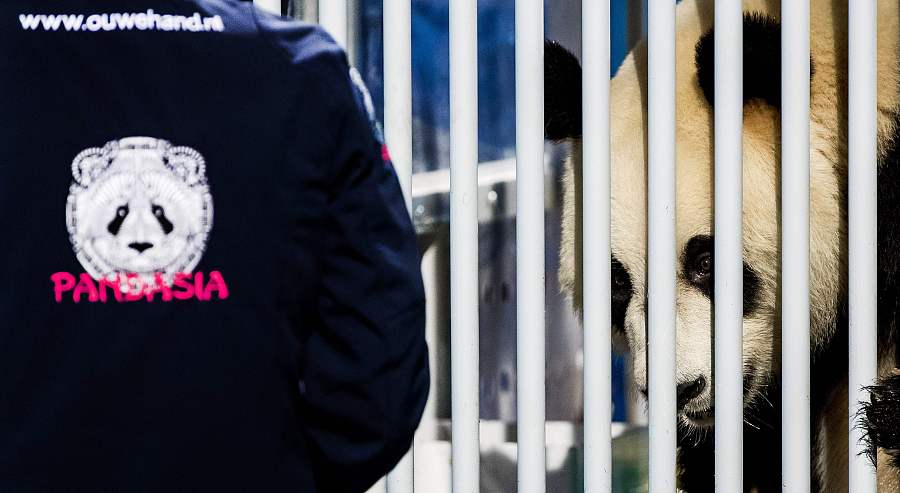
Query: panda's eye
x=158, y=211
x=122, y=211
x=698, y=263
x=704, y=264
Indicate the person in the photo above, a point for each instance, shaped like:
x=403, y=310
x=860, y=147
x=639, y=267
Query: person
x=209, y=278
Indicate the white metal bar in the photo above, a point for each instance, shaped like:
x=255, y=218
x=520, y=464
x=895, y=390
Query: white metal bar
x=729, y=286
x=333, y=17
x=398, y=134
x=795, y=412
x=530, y=356
x=863, y=229
x=464, y=243
x=379, y=487
x=402, y=478
x=308, y=10
x=425, y=183
x=661, y=245
x=596, y=291
x=398, y=88
x=273, y=6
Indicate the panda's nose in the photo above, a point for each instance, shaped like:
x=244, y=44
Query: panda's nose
x=140, y=247
x=689, y=390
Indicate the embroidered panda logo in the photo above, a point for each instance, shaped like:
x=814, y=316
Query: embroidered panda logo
x=139, y=206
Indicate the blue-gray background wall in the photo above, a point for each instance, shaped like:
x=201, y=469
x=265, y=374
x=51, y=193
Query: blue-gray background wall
x=496, y=67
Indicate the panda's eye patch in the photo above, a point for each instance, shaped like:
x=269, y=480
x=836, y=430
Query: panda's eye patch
x=116, y=224
x=621, y=293
x=697, y=263
x=160, y=214
x=698, y=269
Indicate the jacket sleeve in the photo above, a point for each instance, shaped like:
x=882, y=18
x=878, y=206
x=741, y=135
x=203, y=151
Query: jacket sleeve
x=365, y=375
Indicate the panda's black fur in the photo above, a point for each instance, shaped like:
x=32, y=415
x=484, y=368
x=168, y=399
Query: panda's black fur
x=881, y=417
x=889, y=241
x=762, y=431
x=562, y=92
x=762, y=53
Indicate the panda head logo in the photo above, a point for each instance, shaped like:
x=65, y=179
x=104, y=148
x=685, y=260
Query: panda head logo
x=139, y=206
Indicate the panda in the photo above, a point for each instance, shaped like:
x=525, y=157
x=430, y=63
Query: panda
x=139, y=206
x=761, y=232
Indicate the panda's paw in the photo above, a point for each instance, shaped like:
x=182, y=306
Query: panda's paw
x=880, y=419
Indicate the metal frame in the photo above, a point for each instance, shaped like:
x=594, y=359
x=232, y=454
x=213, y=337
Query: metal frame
x=464, y=297
x=596, y=248
x=661, y=260
x=863, y=229
x=729, y=292
x=795, y=324
x=531, y=340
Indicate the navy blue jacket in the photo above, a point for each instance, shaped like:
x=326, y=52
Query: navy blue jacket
x=208, y=277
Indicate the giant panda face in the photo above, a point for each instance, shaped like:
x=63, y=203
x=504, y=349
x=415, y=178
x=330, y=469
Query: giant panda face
x=694, y=217
x=694, y=237
x=139, y=206
x=695, y=198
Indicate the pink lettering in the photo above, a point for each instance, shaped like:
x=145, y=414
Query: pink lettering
x=115, y=285
x=85, y=286
x=62, y=282
x=159, y=286
x=198, y=287
x=182, y=281
x=217, y=284
x=133, y=288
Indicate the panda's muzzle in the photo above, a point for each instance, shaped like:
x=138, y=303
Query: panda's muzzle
x=140, y=247
x=688, y=391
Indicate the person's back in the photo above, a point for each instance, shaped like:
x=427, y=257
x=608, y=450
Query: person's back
x=208, y=278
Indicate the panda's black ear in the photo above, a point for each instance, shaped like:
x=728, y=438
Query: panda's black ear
x=562, y=93
x=762, y=61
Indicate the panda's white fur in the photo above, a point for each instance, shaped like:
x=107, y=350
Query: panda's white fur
x=761, y=185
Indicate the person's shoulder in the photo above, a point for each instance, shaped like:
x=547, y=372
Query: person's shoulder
x=299, y=41
x=318, y=63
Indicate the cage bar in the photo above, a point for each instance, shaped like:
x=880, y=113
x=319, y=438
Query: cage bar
x=596, y=247
x=273, y=6
x=795, y=343
x=333, y=17
x=863, y=229
x=402, y=478
x=464, y=296
x=661, y=245
x=398, y=89
x=398, y=135
x=530, y=355
x=729, y=290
